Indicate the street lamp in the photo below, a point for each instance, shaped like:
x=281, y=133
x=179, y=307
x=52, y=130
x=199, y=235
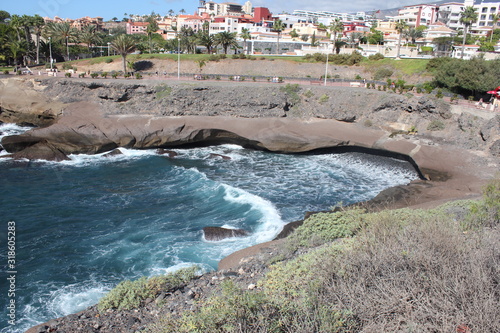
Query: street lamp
x=178, y=58
x=326, y=66
x=67, y=47
x=50, y=51
x=108, y=47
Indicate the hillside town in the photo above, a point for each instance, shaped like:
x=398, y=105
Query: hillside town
x=422, y=30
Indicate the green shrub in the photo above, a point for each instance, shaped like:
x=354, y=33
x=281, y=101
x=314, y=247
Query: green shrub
x=114, y=75
x=376, y=56
x=368, y=122
x=324, y=98
x=439, y=93
x=67, y=74
x=291, y=90
x=163, y=91
x=435, y=125
x=108, y=60
x=235, y=56
x=383, y=73
x=104, y=74
x=6, y=71
x=308, y=93
x=485, y=213
x=94, y=75
x=138, y=76
x=81, y=75
x=130, y=294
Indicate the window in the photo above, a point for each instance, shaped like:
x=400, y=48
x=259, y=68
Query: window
x=483, y=17
x=481, y=24
x=484, y=10
x=493, y=9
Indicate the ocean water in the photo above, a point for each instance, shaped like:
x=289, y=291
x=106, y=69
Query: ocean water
x=84, y=225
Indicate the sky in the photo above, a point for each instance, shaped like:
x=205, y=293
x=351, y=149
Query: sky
x=109, y=9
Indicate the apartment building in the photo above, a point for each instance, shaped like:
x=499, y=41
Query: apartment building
x=80, y=23
x=449, y=14
x=486, y=9
x=418, y=15
x=213, y=8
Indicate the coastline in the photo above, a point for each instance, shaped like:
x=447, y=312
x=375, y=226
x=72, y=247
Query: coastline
x=452, y=172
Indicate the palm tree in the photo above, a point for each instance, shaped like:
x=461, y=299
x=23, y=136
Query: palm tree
x=336, y=27
x=38, y=24
x=494, y=18
x=245, y=34
x=225, y=39
x=278, y=26
x=63, y=32
x=182, y=11
x=207, y=40
x=401, y=26
x=412, y=34
x=17, y=48
x=151, y=29
x=123, y=44
x=467, y=17
x=170, y=12
x=90, y=36
x=16, y=23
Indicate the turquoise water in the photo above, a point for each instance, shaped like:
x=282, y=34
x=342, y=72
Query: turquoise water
x=86, y=224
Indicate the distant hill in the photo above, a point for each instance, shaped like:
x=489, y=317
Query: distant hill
x=383, y=13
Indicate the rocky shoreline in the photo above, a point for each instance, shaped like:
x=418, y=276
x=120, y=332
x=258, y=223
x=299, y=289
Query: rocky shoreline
x=88, y=116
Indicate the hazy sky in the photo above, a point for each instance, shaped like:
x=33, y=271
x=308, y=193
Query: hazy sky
x=116, y=8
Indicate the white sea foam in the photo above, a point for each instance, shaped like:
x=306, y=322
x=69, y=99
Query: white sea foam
x=76, y=297
x=82, y=160
x=270, y=223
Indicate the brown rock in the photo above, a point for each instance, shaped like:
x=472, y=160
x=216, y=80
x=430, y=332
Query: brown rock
x=218, y=233
x=170, y=153
x=114, y=152
x=41, y=151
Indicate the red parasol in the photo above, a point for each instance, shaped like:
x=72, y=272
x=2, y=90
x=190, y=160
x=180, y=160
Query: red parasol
x=495, y=92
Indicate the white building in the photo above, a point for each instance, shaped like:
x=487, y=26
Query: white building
x=449, y=14
x=418, y=15
x=312, y=15
x=485, y=9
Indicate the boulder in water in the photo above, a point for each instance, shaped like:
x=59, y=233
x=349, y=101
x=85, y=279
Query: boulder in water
x=219, y=233
x=170, y=153
x=114, y=152
x=213, y=155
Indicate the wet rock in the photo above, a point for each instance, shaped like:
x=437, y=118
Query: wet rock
x=114, y=152
x=169, y=153
x=41, y=151
x=213, y=155
x=218, y=233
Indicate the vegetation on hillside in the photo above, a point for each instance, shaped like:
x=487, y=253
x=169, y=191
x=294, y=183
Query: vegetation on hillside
x=352, y=271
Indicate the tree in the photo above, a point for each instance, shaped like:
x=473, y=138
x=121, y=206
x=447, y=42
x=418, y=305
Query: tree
x=151, y=29
x=294, y=34
x=245, y=34
x=38, y=25
x=3, y=16
x=62, y=32
x=494, y=19
x=207, y=40
x=467, y=17
x=412, y=34
x=17, y=48
x=114, y=19
x=123, y=44
x=278, y=26
x=336, y=27
x=182, y=11
x=225, y=39
x=170, y=12
x=89, y=35
x=400, y=27
x=375, y=37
